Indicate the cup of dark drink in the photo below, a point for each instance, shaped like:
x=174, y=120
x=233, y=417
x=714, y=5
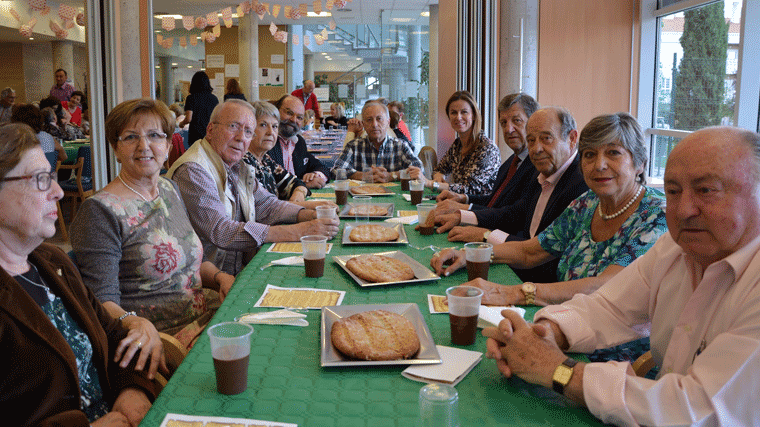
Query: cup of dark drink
x=314, y=248
x=341, y=192
x=478, y=256
x=404, y=177
x=464, y=307
x=231, y=348
x=423, y=211
x=415, y=190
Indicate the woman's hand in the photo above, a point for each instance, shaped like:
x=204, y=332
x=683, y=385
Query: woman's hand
x=297, y=196
x=111, y=419
x=416, y=173
x=225, y=282
x=496, y=294
x=355, y=125
x=447, y=256
x=133, y=404
x=439, y=177
x=142, y=337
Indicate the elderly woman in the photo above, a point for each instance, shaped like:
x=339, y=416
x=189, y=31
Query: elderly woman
x=66, y=357
x=472, y=161
x=31, y=115
x=337, y=116
x=600, y=233
x=133, y=240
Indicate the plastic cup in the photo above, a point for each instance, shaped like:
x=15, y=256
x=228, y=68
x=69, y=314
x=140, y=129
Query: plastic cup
x=314, y=248
x=362, y=206
x=439, y=406
x=415, y=190
x=423, y=210
x=464, y=306
x=404, y=177
x=340, y=174
x=341, y=192
x=478, y=256
x=230, y=349
x=367, y=174
x=326, y=212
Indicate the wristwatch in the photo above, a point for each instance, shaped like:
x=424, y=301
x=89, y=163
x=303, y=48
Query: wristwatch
x=486, y=234
x=562, y=375
x=529, y=290
x=394, y=176
x=436, y=185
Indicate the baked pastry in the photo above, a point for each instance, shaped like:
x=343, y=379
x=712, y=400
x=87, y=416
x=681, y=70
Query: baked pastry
x=379, y=268
x=373, y=233
x=368, y=189
x=375, y=335
x=369, y=210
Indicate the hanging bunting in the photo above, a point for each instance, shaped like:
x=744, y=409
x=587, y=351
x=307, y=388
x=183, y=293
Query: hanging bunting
x=167, y=23
x=227, y=13
x=14, y=14
x=296, y=14
x=340, y=4
x=296, y=40
x=26, y=30
x=217, y=30
x=272, y=28
x=168, y=43
x=288, y=11
x=159, y=39
x=68, y=24
x=319, y=39
x=245, y=6
x=81, y=20
x=324, y=33
x=228, y=23
x=317, y=6
x=239, y=10
x=212, y=19
x=306, y=40
x=183, y=41
x=332, y=25
x=329, y=4
x=45, y=11
x=200, y=22
x=261, y=10
x=193, y=41
x=187, y=22
x=38, y=4
x=304, y=8
x=66, y=12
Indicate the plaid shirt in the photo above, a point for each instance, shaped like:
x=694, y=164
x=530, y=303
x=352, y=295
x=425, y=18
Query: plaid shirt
x=63, y=93
x=394, y=155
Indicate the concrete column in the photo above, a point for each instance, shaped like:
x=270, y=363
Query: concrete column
x=129, y=72
x=63, y=57
x=414, y=38
x=248, y=46
x=295, y=59
x=432, y=135
x=167, y=80
x=308, y=67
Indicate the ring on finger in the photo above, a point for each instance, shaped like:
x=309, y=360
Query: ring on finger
x=139, y=344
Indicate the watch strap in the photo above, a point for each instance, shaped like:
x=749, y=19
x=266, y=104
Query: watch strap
x=567, y=364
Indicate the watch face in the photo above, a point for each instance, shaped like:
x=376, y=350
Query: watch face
x=529, y=287
x=563, y=374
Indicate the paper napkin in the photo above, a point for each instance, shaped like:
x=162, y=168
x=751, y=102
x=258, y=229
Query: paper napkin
x=408, y=220
x=278, y=317
x=457, y=363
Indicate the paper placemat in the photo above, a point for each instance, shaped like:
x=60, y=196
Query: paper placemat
x=457, y=363
x=488, y=316
x=322, y=196
x=291, y=248
x=311, y=298
x=408, y=220
x=407, y=213
x=181, y=420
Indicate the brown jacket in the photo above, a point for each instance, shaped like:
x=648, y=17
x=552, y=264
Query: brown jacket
x=38, y=372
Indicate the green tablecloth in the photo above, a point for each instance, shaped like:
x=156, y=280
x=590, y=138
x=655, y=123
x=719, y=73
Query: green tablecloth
x=71, y=149
x=286, y=382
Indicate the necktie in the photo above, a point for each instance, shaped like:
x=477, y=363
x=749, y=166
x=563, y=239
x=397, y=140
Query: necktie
x=510, y=174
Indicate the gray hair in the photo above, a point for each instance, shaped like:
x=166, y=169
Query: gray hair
x=263, y=108
x=218, y=109
x=7, y=92
x=618, y=128
x=528, y=104
x=379, y=103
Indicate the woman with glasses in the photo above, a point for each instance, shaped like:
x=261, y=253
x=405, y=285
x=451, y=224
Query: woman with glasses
x=58, y=341
x=133, y=240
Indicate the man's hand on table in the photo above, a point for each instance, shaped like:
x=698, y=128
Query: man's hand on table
x=455, y=197
x=447, y=221
x=467, y=234
x=321, y=227
x=314, y=180
x=380, y=174
x=415, y=173
x=449, y=206
x=441, y=260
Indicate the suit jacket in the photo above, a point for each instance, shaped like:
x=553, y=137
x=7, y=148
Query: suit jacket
x=40, y=383
x=515, y=219
x=525, y=174
x=303, y=161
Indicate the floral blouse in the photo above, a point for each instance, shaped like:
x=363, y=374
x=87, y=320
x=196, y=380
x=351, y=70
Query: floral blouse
x=275, y=179
x=569, y=236
x=474, y=173
x=143, y=256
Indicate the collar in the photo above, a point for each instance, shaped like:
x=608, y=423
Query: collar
x=552, y=180
x=287, y=142
x=524, y=155
x=372, y=144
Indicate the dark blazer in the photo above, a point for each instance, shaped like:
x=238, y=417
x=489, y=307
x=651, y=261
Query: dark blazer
x=525, y=174
x=515, y=219
x=39, y=375
x=303, y=161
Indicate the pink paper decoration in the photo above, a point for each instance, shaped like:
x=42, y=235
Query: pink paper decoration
x=304, y=8
x=200, y=22
x=193, y=41
x=318, y=38
x=324, y=33
x=296, y=14
x=272, y=29
x=216, y=31
x=228, y=23
x=287, y=12
x=227, y=13
x=329, y=4
x=317, y=6
x=187, y=22
x=45, y=10
x=159, y=39
x=168, y=42
x=81, y=21
x=239, y=10
x=54, y=27
x=296, y=40
x=37, y=4
x=306, y=40
x=340, y=4
x=13, y=13
x=26, y=30
x=261, y=10
x=245, y=6
x=66, y=12
x=212, y=19
x=332, y=25
x=167, y=23
x=183, y=41
x=68, y=24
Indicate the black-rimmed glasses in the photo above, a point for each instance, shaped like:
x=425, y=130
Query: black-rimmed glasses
x=44, y=179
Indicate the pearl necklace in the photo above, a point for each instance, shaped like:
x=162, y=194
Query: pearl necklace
x=131, y=189
x=627, y=205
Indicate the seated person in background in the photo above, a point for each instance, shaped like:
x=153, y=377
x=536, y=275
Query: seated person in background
x=31, y=115
x=699, y=286
x=68, y=362
x=291, y=150
x=231, y=212
x=7, y=101
x=515, y=174
x=337, y=116
x=233, y=90
x=74, y=107
x=308, y=120
x=552, y=143
x=269, y=173
x=398, y=108
x=394, y=127
x=134, y=244
x=471, y=163
x=180, y=115
x=386, y=155
x=62, y=127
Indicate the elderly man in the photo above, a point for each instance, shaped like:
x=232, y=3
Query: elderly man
x=61, y=89
x=230, y=211
x=290, y=150
x=7, y=99
x=386, y=155
x=515, y=174
x=308, y=98
x=699, y=286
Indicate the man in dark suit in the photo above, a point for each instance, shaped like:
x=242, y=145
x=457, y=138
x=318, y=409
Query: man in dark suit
x=297, y=159
x=514, y=176
x=552, y=146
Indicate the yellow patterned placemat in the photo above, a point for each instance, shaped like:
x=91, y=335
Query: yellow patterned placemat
x=407, y=213
x=275, y=296
x=291, y=248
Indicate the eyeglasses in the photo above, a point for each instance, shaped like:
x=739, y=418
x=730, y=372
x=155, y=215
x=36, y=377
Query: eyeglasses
x=44, y=179
x=152, y=137
x=235, y=127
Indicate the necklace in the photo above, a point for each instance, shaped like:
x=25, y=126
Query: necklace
x=131, y=189
x=32, y=282
x=624, y=208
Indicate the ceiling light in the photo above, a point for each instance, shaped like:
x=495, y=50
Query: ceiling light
x=164, y=16
x=426, y=14
x=322, y=14
x=158, y=66
x=174, y=63
x=189, y=66
x=403, y=19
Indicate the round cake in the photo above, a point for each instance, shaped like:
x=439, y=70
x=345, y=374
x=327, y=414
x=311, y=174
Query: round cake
x=368, y=189
x=379, y=268
x=369, y=210
x=373, y=233
x=375, y=335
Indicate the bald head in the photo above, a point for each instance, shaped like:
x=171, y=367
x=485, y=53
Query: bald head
x=308, y=87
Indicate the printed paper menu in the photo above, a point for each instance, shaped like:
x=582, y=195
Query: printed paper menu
x=275, y=296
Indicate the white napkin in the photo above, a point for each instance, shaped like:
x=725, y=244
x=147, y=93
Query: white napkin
x=491, y=316
x=408, y=197
x=291, y=260
x=408, y=220
x=279, y=317
x=457, y=363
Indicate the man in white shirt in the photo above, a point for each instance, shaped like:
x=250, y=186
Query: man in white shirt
x=699, y=286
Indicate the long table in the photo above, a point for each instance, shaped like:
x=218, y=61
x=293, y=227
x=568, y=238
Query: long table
x=287, y=384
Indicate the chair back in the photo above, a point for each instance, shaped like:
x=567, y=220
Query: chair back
x=52, y=157
x=85, y=152
x=429, y=160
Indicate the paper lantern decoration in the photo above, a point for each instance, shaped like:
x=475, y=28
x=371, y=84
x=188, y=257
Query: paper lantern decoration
x=296, y=14
x=81, y=21
x=26, y=30
x=304, y=8
x=187, y=22
x=212, y=19
x=68, y=24
x=200, y=22
x=38, y=4
x=67, y=12
x=216, y=31
x=183, y=41
x=317, y=6
x=193, y=41
x=340, y=4
x=167, y=23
